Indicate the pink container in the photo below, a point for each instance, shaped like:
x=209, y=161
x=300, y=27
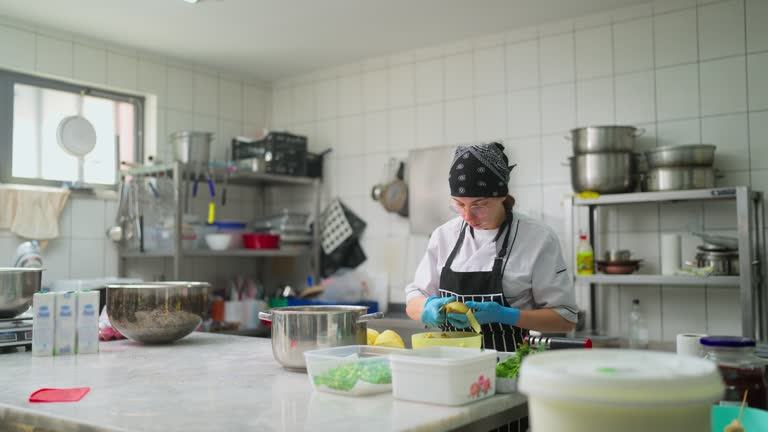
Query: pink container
x=261, y=241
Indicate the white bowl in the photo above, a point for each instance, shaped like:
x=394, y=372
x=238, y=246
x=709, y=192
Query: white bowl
x=218, y=242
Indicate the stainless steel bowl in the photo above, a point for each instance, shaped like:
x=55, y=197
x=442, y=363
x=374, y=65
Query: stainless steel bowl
x=599, y=139
x=681, y=155
x=192, y=146
x=297, y=329
x=157, y=312
x=17, y=286
x=604, y=172
x=679, y=178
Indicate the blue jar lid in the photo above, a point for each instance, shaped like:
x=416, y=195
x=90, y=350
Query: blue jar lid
x=727, y=341
x=232, y=225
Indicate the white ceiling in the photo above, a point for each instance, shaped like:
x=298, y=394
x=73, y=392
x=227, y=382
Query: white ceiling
x=268, y=39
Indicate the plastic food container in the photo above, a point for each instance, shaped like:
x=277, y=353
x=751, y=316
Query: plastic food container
x=235, y=229
x=621, y=390
x=444, y=375
x=261, y=241
x=450, y=339
x=505, y=385
x=351, y=370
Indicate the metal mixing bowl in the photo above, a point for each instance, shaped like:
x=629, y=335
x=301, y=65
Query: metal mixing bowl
x=17, y=286
x=157, y=312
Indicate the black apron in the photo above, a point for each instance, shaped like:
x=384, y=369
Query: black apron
x=481, y=287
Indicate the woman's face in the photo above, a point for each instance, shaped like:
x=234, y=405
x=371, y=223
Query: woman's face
x=479, y=213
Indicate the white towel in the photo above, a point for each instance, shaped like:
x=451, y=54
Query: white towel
x=32, y=211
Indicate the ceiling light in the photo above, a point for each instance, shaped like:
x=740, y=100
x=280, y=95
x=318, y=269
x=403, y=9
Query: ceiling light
x=192, y=1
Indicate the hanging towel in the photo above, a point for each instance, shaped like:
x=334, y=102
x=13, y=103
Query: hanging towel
x=32, y=211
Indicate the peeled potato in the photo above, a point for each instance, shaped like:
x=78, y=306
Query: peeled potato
x=456, y=307
x=372, y=335
x=461, y=308
x=388, y=338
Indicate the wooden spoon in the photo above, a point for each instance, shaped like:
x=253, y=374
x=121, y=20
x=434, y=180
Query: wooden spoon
x=736, y=425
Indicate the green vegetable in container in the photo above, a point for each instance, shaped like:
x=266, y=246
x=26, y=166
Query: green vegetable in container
x=345, y=377
x=510, y=367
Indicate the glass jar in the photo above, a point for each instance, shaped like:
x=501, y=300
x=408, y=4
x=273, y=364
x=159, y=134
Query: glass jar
x=740, y=368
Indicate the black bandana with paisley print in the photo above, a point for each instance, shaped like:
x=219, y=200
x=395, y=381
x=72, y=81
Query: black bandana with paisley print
x=480, y=171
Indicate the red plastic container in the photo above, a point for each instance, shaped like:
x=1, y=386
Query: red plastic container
x=261, y=241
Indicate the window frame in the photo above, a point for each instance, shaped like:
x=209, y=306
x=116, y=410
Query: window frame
x=7, y=81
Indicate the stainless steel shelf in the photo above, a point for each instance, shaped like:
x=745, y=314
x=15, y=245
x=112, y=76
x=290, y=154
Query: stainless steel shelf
x=636, y=279
x=282, y=252
x=640, y=197
x=238, y=177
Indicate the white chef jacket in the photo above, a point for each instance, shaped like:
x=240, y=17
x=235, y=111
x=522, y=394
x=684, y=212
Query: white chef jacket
x=535, y=276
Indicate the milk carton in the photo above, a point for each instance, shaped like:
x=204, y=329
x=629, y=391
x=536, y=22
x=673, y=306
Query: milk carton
x=87, y=322
x=43, y=324
x=64, y=335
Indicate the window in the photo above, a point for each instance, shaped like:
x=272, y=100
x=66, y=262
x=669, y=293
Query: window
x=31, y=111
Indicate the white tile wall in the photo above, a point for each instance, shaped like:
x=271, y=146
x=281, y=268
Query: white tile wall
x=186, y=97
x=539, y=83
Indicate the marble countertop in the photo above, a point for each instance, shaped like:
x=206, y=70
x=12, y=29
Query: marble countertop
x=206, y=382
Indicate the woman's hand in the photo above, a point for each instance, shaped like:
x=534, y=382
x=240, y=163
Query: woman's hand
x=432, y=315
x=492, y=312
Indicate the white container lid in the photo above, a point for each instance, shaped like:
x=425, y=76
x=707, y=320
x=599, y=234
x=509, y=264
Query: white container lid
x=620, y=377
x=443, y=356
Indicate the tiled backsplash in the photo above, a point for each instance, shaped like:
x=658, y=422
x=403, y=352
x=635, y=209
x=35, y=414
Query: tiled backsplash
x=683, y=70
x=187, y=97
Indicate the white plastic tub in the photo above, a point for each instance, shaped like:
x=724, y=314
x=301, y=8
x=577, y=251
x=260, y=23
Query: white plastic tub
x=619, y=390
x=444, y=375
x=351, y=370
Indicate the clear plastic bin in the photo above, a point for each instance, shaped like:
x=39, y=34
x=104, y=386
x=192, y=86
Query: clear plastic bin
x=351, y=370
x=444, y=375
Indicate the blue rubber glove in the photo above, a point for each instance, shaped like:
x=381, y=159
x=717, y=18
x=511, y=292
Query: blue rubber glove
x=492, y=312
x=431, y=315
x=460, y=321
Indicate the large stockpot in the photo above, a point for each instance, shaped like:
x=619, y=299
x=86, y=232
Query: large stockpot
x=702, y=155
x=17, y=286
x=191, y=146
x=678, y=178
x=604, y=172
x=296, y=329
x=601, y=139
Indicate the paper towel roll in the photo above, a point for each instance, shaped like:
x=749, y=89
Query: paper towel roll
x=688, y=344
x=670, y=253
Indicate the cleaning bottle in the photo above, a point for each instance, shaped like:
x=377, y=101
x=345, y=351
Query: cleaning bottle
x=584, y=257
x=638, y=330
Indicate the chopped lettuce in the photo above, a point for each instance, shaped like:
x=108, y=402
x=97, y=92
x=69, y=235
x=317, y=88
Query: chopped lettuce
x=510, y=368
x=345, y=377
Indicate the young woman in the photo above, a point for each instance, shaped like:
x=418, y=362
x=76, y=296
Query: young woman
x=507, y=267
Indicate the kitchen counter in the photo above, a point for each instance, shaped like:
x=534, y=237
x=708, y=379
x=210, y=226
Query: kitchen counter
x=211, y=382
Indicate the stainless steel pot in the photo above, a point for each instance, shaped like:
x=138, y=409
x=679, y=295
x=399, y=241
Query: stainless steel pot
x=604, y=172
x=679, y=178
x=600, y=139
x=297, y=329
x=681, y=155
x=191, y=146
x=722, y=263
x=17, y=286
x=617, y=255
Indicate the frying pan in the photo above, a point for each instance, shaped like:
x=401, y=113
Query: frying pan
x=394, y=195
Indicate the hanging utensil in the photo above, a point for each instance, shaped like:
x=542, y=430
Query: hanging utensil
x=226, y=180
x=394, y=196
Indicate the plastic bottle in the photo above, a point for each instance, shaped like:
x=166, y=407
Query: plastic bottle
x=584, y=257
x=638, y=330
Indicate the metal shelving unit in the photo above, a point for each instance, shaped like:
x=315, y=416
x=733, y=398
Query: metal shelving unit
x=750, y=218
x=181, y=175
